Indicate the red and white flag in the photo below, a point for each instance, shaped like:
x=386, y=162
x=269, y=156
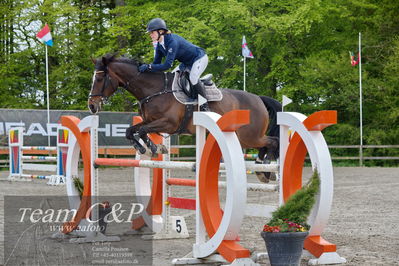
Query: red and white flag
x=45, y=35
x=354, y=61
x=245, y=50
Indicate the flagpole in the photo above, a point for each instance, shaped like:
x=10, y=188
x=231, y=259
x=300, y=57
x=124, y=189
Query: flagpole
x=361, y=101
x=48, y=101
x=244, y=71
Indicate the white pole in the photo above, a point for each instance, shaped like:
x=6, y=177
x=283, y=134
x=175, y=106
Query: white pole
x=244, y=71
x=48, y=101
x=360, y=102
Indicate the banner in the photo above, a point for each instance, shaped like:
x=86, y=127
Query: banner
x=112, y=127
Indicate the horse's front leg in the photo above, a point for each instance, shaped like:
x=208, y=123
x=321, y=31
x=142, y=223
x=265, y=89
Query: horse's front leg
x=132, y=134
x=157, y=126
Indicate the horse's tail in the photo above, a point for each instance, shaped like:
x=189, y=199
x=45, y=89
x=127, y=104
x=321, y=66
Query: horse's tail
x=273, y=107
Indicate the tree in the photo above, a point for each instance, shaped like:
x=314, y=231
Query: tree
x=300, y=48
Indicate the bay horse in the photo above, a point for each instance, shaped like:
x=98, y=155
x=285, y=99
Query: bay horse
x=162, y=113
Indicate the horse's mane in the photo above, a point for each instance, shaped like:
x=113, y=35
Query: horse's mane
x=109, y=58
x=131, y=61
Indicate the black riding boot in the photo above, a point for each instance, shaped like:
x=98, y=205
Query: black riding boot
x=199, y=88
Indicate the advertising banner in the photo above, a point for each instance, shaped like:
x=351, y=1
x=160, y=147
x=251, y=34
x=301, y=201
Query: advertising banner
x=112, y=127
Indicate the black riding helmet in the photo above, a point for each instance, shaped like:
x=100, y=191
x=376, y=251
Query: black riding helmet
x=156, y=24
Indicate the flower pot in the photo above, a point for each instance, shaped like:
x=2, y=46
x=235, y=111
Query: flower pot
x=284, y=248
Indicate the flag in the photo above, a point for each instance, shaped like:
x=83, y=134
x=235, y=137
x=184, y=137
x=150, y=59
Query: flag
x=245, y=50
x=45, y=35
x=354, y=61
x=286, y=100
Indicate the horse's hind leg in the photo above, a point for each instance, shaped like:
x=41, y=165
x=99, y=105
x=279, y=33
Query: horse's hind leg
x=160, y=125
x=155, y=148
x=271, y=151
x=265, y=156
x=263, y=177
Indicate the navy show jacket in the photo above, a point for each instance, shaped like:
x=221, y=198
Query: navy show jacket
x=178, y=48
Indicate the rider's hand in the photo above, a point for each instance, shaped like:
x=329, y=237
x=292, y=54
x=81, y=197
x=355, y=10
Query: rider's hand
x=144, y=68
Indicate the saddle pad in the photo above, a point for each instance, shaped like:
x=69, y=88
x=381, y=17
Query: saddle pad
x=213, y=94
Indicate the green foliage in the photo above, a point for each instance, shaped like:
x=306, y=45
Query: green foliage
x=78, y=185
x=297, y=208
x=300, y=48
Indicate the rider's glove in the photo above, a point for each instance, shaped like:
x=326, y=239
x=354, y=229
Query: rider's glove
x=144, y=68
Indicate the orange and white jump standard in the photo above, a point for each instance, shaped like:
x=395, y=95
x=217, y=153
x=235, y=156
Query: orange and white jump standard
x=217, y=230
x=82, y=134
x=309, y=139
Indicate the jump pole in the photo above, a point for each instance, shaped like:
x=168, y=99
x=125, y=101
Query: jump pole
x=175, y=165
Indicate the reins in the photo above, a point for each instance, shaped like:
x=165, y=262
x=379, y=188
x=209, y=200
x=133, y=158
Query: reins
x=145, y=100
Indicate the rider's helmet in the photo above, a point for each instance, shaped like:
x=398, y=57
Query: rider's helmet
x=156, y=24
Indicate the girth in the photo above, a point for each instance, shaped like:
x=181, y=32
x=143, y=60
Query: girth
x=188, y=114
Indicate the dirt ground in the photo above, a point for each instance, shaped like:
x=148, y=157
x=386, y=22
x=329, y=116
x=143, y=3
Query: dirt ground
x=363, y=222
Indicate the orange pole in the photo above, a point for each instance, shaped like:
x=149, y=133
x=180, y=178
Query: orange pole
x=117, y=162
x=181, y=182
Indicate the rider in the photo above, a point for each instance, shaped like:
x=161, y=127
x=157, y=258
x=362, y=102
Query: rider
x=191, y=57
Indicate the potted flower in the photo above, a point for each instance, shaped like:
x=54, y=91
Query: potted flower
x=286, y=231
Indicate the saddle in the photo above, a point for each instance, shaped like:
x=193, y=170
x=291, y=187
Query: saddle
x=184, y=92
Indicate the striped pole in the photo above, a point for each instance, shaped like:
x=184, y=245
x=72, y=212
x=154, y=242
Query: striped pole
x=41, y=158
x=222, y=184
x=38, y=148
x=175, y=165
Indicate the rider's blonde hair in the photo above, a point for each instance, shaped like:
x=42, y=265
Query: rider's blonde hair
x=164, y=32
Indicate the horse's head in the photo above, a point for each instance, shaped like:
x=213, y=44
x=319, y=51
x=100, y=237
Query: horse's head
x=104, y=83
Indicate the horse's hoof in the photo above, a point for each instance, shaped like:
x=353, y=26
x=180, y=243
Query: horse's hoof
x=263, y=177
x=162, y=149
x=142, y=150
x=273, y=176
x=147, y=152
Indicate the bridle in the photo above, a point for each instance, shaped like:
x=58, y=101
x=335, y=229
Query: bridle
x=105, y=84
